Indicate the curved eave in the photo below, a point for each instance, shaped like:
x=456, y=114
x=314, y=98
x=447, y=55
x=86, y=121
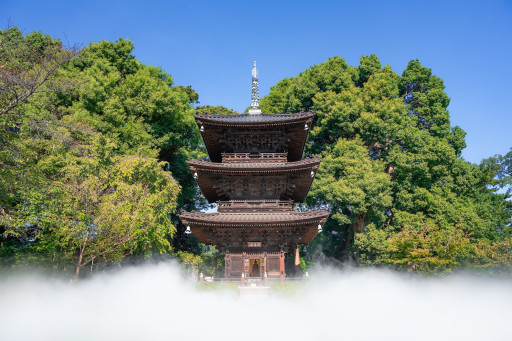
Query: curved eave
x=251, y=120
x=253, y=219
x=208, y=174
x=211, y=228
x=213, y=126
x=250, y=167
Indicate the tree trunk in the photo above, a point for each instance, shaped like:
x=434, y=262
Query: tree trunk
x=81, y=256
x=359, y=224
x=348, y=241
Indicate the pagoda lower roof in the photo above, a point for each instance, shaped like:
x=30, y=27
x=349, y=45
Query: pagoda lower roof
x=235, y=181
x=232, y=231
x=262, y=218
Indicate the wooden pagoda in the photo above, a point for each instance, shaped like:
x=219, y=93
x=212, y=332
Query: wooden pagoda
x=255, y=175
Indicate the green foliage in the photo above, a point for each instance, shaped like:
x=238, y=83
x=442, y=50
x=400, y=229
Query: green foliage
x=305, y=265
x=497, y=171
x=287, y=289
x=83, y=176
x=426, y=100
x=135, y=105
x=296, y=94
x=91, y=145
x=189, y=260
x=98, y=205
x=355, y=188
x=368, y=65
x=29, y=65
x=392, y=175
x=219, y=109
x=207, y=261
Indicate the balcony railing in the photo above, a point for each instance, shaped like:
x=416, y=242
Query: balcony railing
x=253, y=157
x=255, y=205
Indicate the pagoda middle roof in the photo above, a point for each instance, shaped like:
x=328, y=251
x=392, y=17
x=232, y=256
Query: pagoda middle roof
x=255, y=166
x=235, y=181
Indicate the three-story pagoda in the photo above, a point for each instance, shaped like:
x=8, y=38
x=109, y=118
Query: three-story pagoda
x=255, y=175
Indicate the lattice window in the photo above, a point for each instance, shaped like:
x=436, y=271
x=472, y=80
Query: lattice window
x=272, y=264
x=236, y=265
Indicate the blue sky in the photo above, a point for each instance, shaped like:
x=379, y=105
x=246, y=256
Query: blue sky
x=211, y=45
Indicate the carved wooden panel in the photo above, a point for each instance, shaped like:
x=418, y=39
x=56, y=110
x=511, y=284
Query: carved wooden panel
x=272, y=264
x=260, y=187
x=254, y=141
x=236, y=265
x=254, y=157
x=255, y=205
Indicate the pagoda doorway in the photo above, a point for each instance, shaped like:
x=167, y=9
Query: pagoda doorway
x=255, y=267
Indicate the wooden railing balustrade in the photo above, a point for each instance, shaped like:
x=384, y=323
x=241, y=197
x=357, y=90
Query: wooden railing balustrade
x=255, y=205
x=253, y=157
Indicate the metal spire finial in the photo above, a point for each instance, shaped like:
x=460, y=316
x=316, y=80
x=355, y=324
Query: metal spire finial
x=255, y=97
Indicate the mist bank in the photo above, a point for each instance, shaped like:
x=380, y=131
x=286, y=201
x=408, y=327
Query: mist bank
x=156, y=302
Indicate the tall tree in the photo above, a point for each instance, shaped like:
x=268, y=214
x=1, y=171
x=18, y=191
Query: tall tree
x=354, y=188
x=83, y=174
x=29, y=65
x=431, y=209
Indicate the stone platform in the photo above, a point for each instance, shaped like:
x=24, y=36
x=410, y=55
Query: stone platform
x=253, y=292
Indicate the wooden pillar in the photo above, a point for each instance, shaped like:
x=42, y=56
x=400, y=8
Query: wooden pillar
x=297, y=261
x=227, y=264
x=245, y=264
x=264, y=264
x=282, y=272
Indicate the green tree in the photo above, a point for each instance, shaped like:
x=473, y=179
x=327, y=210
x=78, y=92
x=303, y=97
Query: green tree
x=497, y=172
x=427, y=102
x=354, y=188
x=29, y=65
x=84, y=171
x=135, y=105
x=392, y=173
x=368, y=65
x=219, y=109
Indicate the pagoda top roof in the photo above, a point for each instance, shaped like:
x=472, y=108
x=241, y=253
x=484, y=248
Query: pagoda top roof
x=251, y=133
x=253, y=119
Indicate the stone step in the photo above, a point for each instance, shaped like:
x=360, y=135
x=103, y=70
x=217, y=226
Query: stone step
x=253, y=292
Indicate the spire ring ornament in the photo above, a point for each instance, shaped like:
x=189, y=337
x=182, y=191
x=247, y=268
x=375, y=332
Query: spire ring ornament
x=255, y=97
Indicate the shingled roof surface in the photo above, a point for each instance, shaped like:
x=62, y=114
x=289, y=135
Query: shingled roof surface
x=273, y=166
x=243, y=118
x=273, y=217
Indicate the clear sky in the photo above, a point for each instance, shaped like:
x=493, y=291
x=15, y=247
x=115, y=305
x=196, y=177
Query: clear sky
x=211, y=45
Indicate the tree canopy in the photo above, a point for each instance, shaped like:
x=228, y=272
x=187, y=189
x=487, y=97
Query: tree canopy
x=86, y=170
x=94, y=143
x=392, y=175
